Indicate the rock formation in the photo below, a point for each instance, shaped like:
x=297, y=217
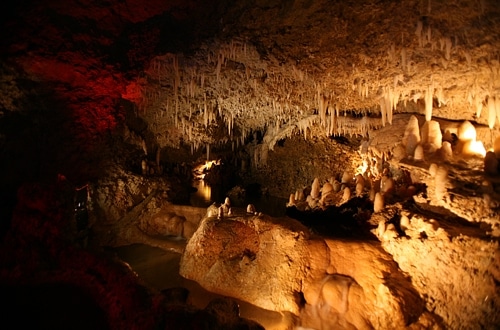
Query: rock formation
x=273, y=262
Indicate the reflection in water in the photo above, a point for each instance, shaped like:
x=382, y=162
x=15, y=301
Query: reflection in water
x=203, y=195
x=159, y=269
x=206, y=195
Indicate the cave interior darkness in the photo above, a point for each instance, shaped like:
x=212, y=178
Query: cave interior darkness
x=313, y=164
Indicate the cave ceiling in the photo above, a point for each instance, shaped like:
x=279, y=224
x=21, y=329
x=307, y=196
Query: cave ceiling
x=202, y=73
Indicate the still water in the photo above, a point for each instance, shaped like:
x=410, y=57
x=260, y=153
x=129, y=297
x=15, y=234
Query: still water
x=205, y=195
x=159, y=269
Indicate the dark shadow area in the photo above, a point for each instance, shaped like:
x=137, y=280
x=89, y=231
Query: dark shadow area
x=350, y=220
x=50, y=306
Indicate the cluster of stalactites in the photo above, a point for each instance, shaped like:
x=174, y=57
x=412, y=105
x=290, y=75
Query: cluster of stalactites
x=223, y=84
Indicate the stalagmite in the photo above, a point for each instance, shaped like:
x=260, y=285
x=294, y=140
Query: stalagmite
x=346, y=177
x=359, y=189
x=448, y=136
x=250, y=209
x=315, y=189
x=311, y=202
x=347, y=195
x=326, y=189
x=381, y=228
x=291, y=200
x=360, y=179
x=386, y=185
x=419, y=153
x=404, y=222
x=446, y=152
x=433, y=169
x=372, y=194
x=411, y=136
x=378, y=203
x=466, y=132
x=220, y=213
x=337, y=186
x=434, y=136
x=440, y=183
x=473, y=148
x=390, y=233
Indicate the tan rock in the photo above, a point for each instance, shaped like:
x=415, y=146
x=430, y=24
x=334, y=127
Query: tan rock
x=271, y=262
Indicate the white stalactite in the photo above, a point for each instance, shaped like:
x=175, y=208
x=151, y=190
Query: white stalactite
x=428, y=102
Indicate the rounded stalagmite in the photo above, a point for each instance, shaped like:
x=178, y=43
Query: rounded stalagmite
x=378, y=203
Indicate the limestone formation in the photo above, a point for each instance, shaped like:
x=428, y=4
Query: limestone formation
x=431, y=136
x=283, y=92
x=433, y=169
x=466, y=132
x=336, y=186
x=346, y=177
x=446, y=151
x=390, y=233
x=387, y=185
x=250, y=209
x=381, y=229
x=268, y=261
x=419, y=153
x=359, y=189
x=473, y=148
x=346, y=195
x=404, y=222
x=411, y=136
x=378, y=203
x=326, y=189
x=315, y=189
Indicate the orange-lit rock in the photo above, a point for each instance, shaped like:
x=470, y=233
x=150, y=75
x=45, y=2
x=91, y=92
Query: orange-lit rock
x=272, y=262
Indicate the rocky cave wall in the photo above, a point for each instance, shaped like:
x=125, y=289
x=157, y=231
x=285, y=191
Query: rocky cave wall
x=201, y=75
x=331, y=85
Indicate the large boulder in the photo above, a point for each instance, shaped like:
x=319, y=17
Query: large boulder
x=253, y=258
x=276, y=264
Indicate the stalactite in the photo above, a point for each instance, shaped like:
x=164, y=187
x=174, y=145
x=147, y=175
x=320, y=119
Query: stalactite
x=428, y=102
x=389, y=97
x=383, y=110
x=403, y=59
x=418, y=32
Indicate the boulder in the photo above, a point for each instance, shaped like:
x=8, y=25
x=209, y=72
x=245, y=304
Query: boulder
x=276, y=264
